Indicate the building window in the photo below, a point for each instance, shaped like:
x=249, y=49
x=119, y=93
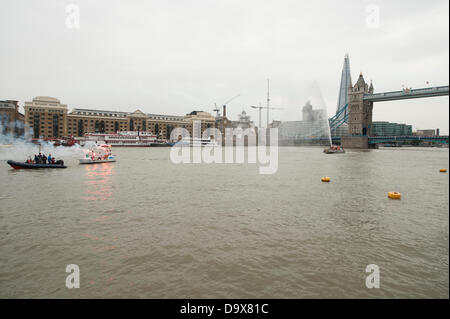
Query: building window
x=99, y=127
x=55, y=125
x=80, y=128
x=36, y=125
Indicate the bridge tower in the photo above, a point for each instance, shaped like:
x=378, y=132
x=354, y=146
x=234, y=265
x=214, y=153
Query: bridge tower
x=359, y=115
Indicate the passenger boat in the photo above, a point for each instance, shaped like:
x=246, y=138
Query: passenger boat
x=98, y=154
x=334, y=149
x=124, y=138
x=24, y=165
x=194, y=141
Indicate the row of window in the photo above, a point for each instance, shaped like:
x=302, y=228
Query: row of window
x=43, y=117
x=86, y=125
x=8, y=106
x=45, y=110
x=100, y=114
x=125, y=123
x=166, y=118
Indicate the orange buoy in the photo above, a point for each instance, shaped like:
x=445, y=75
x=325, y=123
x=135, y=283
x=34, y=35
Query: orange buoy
x=326, y=179
x=394, y=195
x=443, y=170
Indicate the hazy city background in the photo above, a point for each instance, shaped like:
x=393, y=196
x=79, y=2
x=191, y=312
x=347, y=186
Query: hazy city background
x=172, y=57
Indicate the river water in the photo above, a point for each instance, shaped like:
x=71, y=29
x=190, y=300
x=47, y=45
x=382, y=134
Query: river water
x=144, y=227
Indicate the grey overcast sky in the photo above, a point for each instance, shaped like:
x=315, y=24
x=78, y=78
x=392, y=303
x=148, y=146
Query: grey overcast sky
x=175, y=56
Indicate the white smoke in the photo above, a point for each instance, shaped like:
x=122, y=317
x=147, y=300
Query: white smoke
x=19, y=147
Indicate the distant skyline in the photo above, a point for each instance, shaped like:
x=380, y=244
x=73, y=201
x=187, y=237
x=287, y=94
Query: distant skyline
x=172, y=57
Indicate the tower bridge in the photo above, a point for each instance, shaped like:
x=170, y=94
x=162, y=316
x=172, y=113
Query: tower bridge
x=355, y=108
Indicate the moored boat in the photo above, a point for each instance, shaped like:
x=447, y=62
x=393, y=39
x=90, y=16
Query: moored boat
x=125, y=138
x=24, y=165
x=192, y=141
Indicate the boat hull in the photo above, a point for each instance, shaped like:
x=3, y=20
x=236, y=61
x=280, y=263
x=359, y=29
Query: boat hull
x=90, y=161
x=334, y=152
x=20, y=165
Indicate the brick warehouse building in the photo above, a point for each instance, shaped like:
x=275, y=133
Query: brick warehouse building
x=48, y=118
x=11, y=120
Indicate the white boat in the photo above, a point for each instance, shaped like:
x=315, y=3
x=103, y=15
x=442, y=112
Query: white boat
x=98, y=154
x=194, y=141
x=125, y=138
x=95, y=161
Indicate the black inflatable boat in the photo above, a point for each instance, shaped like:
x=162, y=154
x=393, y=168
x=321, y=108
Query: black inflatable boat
x=21, y=165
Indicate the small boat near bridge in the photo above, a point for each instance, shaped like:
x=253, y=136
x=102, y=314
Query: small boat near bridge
x=334, y=149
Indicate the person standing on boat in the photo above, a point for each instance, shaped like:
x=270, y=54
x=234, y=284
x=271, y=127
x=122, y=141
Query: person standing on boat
x=49, y=158
x=44, y=159
x=36, y=160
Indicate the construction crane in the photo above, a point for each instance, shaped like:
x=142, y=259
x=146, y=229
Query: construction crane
x=224, y=105
x=264, y=107
x=267, y=107
x=216, y=109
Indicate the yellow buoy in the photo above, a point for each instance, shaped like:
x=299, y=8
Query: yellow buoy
x=394, y=195
x=443, y=170
x=326, y=179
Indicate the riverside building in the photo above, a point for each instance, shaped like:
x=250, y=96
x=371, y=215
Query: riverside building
x=11, y=120
x=391, y=129
x=427, y=133
x=314, y=124
x=48, y=118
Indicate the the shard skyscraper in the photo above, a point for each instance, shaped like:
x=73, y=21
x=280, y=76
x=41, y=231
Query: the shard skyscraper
x=346, y=81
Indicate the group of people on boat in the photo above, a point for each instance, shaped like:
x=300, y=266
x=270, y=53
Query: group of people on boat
x=102, y=156
x=43, y=159
x=335, y=148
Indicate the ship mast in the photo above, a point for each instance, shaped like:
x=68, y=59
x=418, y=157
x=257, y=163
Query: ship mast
x=268, y=101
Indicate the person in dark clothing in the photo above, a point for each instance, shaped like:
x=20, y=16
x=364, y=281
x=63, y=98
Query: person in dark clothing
x=36, y=159
x=44, y=159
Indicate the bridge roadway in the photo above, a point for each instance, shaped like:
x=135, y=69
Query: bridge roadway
x=386, y=139
x=407, y=94
x=444, y=139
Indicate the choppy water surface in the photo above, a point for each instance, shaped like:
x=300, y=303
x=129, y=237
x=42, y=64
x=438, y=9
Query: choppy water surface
x=144, y=227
